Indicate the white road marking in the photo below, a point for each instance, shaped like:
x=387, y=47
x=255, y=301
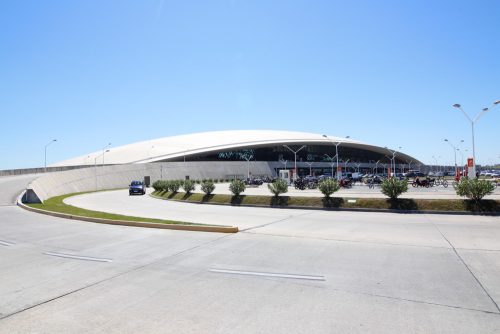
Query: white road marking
x=254, y=273
x=77, y=257
x=6, y=243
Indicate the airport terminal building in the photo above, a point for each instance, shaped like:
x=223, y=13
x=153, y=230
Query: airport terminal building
x=314, y=153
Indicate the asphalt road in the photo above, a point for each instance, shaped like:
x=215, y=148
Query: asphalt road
x=290, y=272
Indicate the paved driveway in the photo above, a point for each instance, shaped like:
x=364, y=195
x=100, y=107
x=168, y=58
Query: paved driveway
x=290, y=271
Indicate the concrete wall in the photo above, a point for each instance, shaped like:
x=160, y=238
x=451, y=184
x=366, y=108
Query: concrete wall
x=39, y=170
x=119, y=176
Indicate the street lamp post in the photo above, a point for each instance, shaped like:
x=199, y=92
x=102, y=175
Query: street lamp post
x=331, y=161
x=95, y=166
x=357, y=167
x=472, y=122
x=393, y=160
x=310, y=167
x=376, y=167
x=336, y=153
x=104, y=151
x=284, y=163
x=436, y=161
x=385, y=167
x=409, y=165
x=248, y=165
x=345, y=165
x=455, y=153
x=295, y=157
x=461, y=159
x=50, y=143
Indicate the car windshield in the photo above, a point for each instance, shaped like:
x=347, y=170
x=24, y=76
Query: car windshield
x=136, y=183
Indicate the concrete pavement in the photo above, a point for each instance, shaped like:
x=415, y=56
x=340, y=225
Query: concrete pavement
x=382, y=273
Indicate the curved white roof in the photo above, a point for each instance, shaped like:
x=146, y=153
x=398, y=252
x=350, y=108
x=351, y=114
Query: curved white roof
x=185, y=145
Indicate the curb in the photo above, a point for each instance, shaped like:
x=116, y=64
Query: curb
x=179, y=227
x=437, y=212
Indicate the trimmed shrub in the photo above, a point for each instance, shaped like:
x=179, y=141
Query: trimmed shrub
x=278, y=187
x=160, y=185
x=188, y=186
x=328, y=187
x=393, y=187
x=474, y=189
x=174, y=185
x=207, y=187
x=237, y=187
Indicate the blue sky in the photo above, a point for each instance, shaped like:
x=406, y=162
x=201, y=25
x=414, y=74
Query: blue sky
x=384, y=72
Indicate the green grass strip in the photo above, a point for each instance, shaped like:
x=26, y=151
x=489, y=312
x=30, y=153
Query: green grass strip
x=56, y=204
x=404, y=204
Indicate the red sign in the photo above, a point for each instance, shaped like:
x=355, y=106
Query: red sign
x=470, y=162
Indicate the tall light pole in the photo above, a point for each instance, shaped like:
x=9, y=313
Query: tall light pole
x=95, y=167
x=472, y=122
x=284, y=162
x=104, y=151
x=331, y=161
x=248, y=165
x=399, y=149
x=454, y=152
x=310, y=167
x=435, y=159
x=345, y=165
x=393, y=161
x=409, y=165
x=50, y=143
x=461, y=158
x=357, y=167
x=376, y=167
x=336, y=153
x=295, y=156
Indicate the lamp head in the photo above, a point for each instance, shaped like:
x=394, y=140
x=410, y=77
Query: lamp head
x=456, y=105
x=496, y=102
x=485, y=109
x=446, y=140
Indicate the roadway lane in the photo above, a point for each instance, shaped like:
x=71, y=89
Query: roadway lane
x=376, y=273
x=12, y=186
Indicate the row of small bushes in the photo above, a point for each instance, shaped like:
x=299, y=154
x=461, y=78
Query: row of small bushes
x=474, y=189
x=207, y=186
x=278, y=187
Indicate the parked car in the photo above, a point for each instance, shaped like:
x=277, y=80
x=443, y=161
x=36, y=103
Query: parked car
x=136, y=187
x=414, y=173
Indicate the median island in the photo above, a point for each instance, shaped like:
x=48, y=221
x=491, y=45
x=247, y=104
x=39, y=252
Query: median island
x=55, y=206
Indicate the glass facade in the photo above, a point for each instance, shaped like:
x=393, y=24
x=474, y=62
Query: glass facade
x=311, y=153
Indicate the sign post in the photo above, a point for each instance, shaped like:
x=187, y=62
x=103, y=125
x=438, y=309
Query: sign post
x=471, y=168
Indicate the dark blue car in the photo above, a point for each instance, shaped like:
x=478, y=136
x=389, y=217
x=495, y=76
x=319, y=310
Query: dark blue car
x=136, y=187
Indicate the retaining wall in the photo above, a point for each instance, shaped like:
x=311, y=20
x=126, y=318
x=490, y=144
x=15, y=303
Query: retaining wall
x=119, y=176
